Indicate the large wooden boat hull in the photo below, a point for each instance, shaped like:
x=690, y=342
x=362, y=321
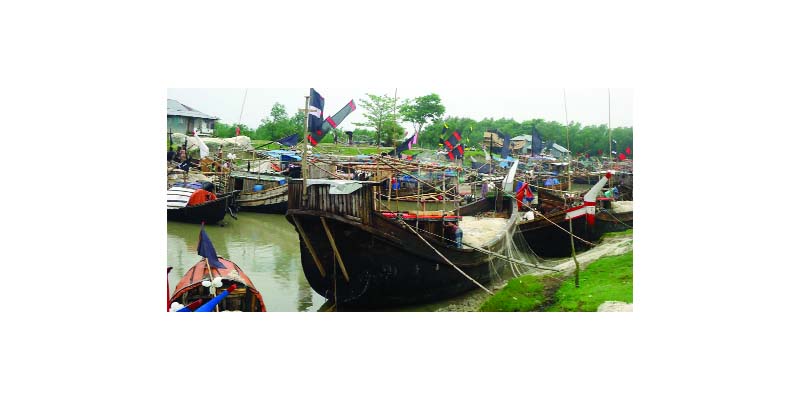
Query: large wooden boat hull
x=209, y=212
x=272, y=201
x=387, y=264
x=549, y=240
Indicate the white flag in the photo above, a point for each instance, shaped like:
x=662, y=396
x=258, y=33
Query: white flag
x=201, y=145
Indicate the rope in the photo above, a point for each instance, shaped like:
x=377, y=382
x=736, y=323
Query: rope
x=482, y=250
x=612, y=216
x=445, y=258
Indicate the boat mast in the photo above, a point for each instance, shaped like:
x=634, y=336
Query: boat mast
x=305, y=146
x=609, y=131
x=569, y=186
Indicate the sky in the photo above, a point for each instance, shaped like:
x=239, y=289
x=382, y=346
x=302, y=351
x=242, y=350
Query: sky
x=586, y=106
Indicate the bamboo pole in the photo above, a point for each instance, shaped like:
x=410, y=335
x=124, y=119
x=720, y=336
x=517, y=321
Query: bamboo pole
x=305, y=147
x=569, y=187
x=335, y=249
x=308, y=246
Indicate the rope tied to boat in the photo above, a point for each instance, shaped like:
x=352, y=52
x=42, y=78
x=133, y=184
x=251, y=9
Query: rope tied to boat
x=445, y=258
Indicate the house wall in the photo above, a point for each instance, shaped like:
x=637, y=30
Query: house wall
x=178, y=124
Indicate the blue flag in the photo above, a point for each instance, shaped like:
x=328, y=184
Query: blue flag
x=290, y=140
x=206, y=249
x=536, y=142
x=316, y=105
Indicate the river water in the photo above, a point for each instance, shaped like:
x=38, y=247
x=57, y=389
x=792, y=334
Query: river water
x=265, y=246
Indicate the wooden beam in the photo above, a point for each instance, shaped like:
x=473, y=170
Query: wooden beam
x=308, y=246
x=335, y=250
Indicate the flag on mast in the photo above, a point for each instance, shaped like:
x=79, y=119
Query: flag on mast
x=331, y=122
x=206, y=249
x=316, y=104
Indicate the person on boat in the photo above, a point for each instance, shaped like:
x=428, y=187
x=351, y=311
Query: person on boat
x=171, y=154
x=201, y=196
x=454, y=233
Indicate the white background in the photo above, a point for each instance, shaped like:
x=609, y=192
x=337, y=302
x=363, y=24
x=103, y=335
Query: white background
x=715, y=88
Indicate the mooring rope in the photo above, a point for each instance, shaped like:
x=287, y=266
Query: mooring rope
x=446, y=259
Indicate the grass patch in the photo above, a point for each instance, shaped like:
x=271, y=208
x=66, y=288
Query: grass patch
x=526, y=293
x=607, y=279
x=628, y=232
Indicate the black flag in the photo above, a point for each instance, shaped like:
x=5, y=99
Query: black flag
x=315, y=107
x=536, y=142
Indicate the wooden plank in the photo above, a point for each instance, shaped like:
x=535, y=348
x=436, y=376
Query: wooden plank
x=335, y=250
x=308, y=246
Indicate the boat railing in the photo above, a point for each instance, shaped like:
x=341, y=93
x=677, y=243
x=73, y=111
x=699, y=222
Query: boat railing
x=358, y=204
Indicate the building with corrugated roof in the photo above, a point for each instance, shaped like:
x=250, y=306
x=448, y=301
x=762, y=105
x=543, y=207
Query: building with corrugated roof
x=184, y=119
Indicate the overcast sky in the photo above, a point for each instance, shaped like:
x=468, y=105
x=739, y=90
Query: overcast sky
x=587, y=106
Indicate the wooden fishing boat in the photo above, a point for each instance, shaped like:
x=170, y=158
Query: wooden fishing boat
x=260, y=193
x=209, y=212
x=244, y=298
x=548, y=232
x=355, y=255
x=613, y=216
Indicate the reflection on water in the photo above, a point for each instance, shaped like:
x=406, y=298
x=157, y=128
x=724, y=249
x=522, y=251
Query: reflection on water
x=265, y=246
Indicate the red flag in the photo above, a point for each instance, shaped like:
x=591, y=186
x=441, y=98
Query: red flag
x=628, y=150
x=622, y=156
x=237, y=131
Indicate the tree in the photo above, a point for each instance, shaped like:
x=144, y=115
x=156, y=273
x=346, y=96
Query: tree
x=421, y=110
x=278, y=113
x=378, y=110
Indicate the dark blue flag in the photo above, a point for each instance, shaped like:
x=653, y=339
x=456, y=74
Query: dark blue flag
x=536, y=142
x=331, y=122
x=290, y=140
x=206, y=249
x=316, y=105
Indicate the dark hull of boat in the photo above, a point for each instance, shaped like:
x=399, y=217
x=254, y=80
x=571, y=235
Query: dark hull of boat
x=387, y=264
x=547, y=240
x=209, y=212
x=617, y=222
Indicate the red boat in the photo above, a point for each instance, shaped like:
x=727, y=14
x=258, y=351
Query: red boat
x=244, y=298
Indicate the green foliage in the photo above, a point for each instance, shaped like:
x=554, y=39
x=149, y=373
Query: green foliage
x=379, y=113
x=278, y=113
x=583, y=139
x=607, y=279
x=421, y=110
x=278, y=124
x=223, y=130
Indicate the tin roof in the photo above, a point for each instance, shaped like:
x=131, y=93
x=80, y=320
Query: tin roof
x=559, y=148
x=175, y=107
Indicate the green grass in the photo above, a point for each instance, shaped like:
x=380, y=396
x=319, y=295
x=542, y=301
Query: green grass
x=526, y=293
x=628, y=232
x=607, y=279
